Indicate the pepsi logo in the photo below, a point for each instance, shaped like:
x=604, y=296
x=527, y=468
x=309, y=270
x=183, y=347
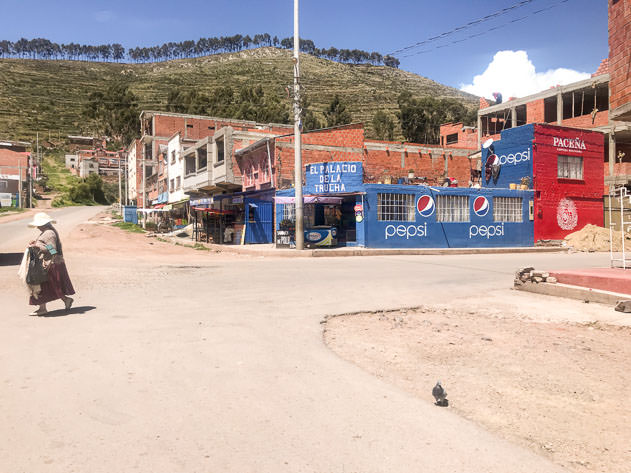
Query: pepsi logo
x=425, y=205
x=493, y=159
x=481, y=206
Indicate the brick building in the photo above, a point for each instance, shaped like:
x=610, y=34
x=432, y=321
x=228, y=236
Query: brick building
x=158, y=128
x=619, y=170
x=383, y=161
x=601, y=103
x=13, y=169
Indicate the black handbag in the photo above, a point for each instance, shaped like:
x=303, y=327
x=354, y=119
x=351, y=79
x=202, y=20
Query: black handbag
x=36, y=274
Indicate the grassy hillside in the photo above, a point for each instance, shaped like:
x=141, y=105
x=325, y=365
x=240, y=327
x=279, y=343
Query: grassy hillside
x=47, y=96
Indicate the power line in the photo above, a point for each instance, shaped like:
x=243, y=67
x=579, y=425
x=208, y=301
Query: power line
x=496, y=14
x=487, y=31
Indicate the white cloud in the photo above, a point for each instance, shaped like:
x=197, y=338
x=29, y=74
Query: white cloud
x=103, y=16
x=514, y=75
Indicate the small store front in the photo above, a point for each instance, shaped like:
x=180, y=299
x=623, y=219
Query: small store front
x=333, y=203
x=348, y=212
x=328, y=220
x=234, y=219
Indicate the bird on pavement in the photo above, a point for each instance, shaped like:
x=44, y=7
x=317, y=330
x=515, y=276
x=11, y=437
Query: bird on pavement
x=439, y=394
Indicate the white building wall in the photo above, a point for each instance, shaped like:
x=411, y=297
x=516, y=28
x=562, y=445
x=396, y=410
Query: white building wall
x=175, y=169
x=72, y=160
x=132, y=192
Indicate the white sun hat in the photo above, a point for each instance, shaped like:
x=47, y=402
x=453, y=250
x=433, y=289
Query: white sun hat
x=40, y=219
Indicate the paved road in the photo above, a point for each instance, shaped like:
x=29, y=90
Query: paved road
x=15, y=234
x=210, y=363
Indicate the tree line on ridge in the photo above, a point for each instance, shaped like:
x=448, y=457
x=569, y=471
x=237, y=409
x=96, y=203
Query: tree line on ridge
x=41, y=48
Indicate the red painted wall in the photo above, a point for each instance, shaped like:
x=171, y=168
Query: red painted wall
x=619, y=53
x=563, y=206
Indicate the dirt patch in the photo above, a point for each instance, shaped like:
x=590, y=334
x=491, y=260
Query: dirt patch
x=595, y=238
x=560, y=389
x=104, y=240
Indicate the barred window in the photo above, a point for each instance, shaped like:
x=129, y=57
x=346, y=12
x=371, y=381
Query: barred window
x=396, y=208
x=452, y=208
x=289, y=212
x=570, y=167
x=508, y=209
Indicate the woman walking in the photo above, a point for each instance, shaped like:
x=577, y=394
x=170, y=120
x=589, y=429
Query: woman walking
x=58, y=285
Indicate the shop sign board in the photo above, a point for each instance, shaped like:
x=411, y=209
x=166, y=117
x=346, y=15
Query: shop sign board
x=334, y=177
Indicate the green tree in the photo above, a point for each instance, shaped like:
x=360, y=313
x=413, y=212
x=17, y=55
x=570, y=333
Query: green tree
x=336, y=113
x=114, y=111
x=421, y=117
x=383, y=124
x=309, y=119
x=191, y=102
x=254, y=104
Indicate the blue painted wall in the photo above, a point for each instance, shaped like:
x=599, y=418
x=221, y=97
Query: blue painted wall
x=333, y=177
x=515, y=152
x=481, y=231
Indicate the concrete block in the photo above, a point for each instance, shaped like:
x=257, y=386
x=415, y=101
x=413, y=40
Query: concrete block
x=537, y=279
x=623, y=306
x=551, y=280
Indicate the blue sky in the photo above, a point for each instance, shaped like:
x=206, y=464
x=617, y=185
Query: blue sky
x=572, y=35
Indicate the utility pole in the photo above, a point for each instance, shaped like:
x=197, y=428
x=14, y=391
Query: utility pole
x=144, y=176
x=20, y=203
x=300, y=235
x=38, y=156
x=29, y=180
x=120, y=193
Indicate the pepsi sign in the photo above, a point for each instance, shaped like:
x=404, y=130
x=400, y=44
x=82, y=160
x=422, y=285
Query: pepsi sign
x=425, y=205
x=481, y=206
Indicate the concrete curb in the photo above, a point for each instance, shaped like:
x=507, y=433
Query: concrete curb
x=573, y=292
x=344, y=252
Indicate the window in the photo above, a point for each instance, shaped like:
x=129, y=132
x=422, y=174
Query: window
x=452, y=208
x=570, y=167
x=507, y=209
x=396, y=208
x=178, y=183
x=173, y=157
x=220, y=151
x=172, y=185
x=289, y=212
x=452, y=139
x=189, y=164
x=202, y=158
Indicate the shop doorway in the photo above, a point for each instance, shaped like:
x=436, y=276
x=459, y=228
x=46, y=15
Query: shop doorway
x=348, y=225
x=260, y=221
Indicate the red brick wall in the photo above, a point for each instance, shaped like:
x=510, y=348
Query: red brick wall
x=14, y=160
x=535, y=112
x=620, y=53
x=467, y=138
x=585, y=121
x=198, y=128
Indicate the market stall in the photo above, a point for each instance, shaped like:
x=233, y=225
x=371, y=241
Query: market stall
x=213, y=225
x=323, y=220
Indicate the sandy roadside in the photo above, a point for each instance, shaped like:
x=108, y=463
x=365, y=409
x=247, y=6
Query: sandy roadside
x=560, y=389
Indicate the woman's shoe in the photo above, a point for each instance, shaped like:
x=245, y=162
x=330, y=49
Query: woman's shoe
x=39, y=312
x=68, y=301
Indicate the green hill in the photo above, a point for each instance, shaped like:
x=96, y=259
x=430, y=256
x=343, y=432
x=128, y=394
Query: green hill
x=48, y=96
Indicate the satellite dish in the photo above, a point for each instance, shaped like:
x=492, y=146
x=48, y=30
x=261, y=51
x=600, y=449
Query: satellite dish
x=487, y=144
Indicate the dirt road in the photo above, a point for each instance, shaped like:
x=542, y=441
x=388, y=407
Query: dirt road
x=176, y=360
x=560, y=389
